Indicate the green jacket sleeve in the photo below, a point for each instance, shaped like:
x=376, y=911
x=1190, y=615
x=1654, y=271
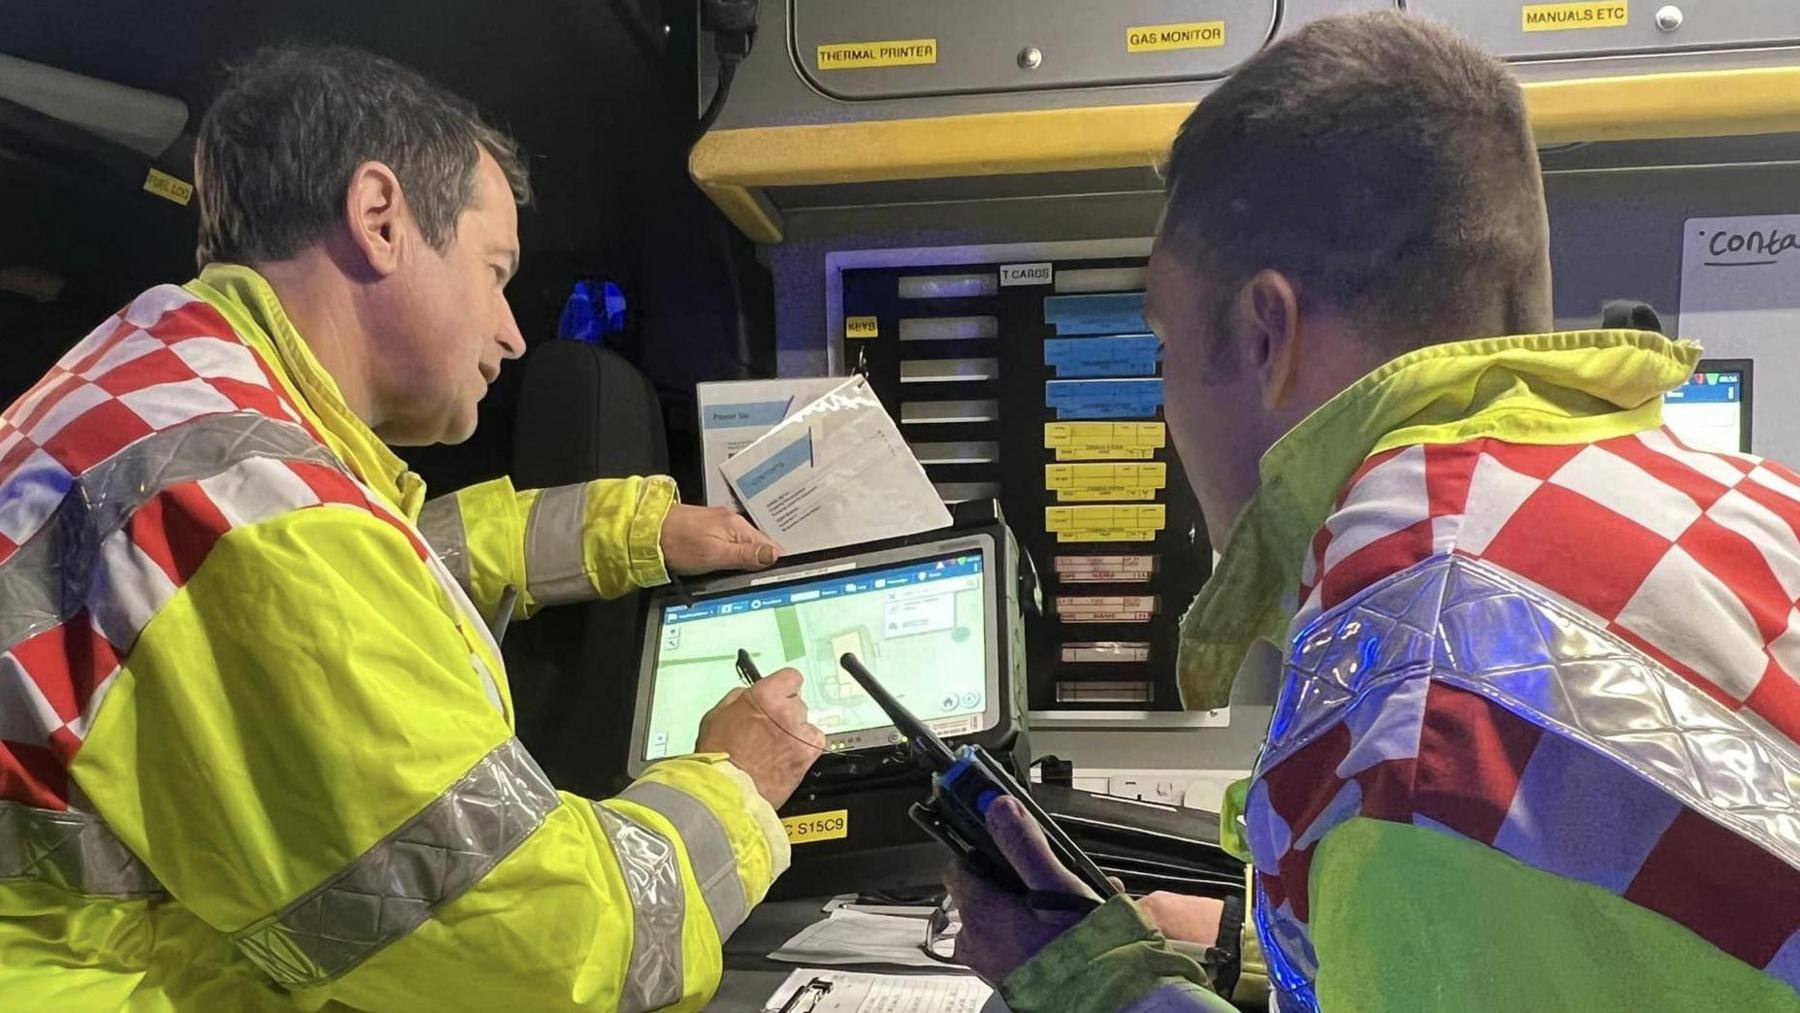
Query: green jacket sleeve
x=1407, y=917
x=304, y=748
x=1111, y=960
x=571, y=543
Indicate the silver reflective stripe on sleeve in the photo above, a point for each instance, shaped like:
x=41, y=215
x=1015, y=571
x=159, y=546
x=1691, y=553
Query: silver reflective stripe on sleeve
x=652, y=874
x=46, y=580
x=441, y=522
x=708, y=850
x=555, y=568
x=394, y=886
x=73, y=850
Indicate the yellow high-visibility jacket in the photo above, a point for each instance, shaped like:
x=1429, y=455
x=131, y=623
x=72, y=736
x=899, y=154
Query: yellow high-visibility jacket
x=1495, y=778
x=256, y=744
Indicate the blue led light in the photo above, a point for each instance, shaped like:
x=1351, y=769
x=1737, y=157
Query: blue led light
x=592, y=312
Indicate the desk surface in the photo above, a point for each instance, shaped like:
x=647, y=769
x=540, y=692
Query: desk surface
x=750, y=976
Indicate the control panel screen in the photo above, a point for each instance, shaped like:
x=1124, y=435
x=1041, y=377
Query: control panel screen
x=1707, y=411
x=920, y=627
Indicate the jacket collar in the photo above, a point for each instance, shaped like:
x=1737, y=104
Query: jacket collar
x=1576, y=386
x=248, y=302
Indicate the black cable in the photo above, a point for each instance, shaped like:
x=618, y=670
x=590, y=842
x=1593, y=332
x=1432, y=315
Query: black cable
x=727, y=71
x=733, y=27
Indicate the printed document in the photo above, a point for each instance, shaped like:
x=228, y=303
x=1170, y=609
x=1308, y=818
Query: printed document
x=811, y=990
x=835, y=473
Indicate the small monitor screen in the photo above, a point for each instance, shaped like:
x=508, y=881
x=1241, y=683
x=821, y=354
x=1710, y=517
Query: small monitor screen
x=920, y=626
x=1706, y=413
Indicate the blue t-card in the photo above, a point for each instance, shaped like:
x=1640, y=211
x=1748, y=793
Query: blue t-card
x=1123, y=355
x=1104, y=399
x=1113, y=313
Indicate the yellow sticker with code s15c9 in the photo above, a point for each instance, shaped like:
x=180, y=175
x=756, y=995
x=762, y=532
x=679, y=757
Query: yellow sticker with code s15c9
x=1575, y=16
x=825, y=826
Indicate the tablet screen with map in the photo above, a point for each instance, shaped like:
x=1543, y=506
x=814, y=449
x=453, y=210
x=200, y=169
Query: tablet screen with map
x=922, y=626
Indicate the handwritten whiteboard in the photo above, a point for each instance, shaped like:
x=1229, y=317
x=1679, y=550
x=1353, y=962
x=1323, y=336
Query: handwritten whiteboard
x=1740, y=297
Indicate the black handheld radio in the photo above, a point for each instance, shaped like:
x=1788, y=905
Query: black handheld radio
x=963, y=784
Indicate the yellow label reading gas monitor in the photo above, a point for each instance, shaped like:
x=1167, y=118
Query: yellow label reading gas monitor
x=863, y=55
x=1189, y=35
x=1568, y=17
x=861, y=327
x=168, y=187
x=826, y=826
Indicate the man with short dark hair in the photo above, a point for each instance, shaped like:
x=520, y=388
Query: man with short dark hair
x=1535, y=746
x=256, y=746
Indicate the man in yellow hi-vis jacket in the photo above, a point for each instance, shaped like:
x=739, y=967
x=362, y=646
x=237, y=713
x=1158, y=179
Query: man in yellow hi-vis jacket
x=256, y=745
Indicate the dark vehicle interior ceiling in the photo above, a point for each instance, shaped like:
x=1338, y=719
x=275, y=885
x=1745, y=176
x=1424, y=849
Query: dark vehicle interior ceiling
x=599, y=93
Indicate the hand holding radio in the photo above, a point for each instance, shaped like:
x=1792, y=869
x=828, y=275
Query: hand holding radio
x=1002, y=929
x=965, y=785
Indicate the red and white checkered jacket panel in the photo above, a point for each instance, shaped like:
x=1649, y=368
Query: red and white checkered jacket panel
x=1692, y=557
x=155, y=435
x=1454, y=697
x=166, y=358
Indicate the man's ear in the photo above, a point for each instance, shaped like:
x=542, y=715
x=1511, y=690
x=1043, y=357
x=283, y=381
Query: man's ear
x=1268, y=314
x=374, y=210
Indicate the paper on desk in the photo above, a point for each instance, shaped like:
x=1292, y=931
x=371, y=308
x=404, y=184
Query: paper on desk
x=853, y=992
x=856, y=937
x=852, y=902
x=835, y=473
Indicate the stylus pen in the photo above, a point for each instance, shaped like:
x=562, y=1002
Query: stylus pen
x=747, y=668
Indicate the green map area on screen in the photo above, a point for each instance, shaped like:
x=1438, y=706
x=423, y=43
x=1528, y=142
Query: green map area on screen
x=920, y=629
